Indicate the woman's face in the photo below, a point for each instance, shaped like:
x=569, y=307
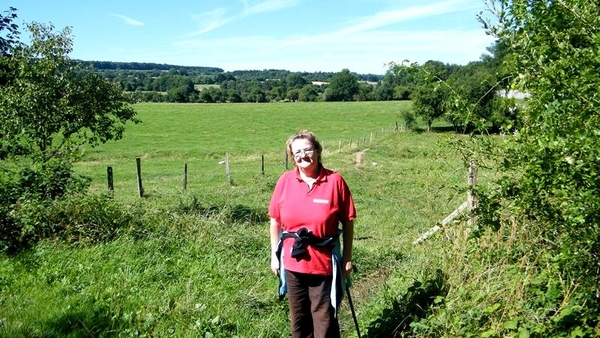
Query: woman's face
x=304, y=154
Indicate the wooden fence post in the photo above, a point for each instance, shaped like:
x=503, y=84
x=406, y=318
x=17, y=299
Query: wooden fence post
x=138, y=164
x=262, y=164
x=111, y=186
x=469, y=205
x=286, y=160
x=471, y=198
x=185, y=176
x=227, y=172
x=339, y=146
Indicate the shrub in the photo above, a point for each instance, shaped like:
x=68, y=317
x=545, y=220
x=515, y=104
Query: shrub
x=44, y=200
x=91, y=219
x=410, y=119
x=26, y=191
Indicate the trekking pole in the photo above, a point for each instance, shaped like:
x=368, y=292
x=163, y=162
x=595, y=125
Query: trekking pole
x=352, y=311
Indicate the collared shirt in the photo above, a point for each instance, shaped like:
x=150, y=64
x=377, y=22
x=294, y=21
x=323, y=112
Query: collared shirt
x=319, y=209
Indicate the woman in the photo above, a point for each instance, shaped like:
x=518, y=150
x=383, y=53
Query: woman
x=307, y=205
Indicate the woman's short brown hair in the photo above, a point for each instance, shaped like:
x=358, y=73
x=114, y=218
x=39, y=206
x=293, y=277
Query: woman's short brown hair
x=306, y=135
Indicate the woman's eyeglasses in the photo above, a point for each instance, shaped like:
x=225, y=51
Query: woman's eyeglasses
x=303, y=152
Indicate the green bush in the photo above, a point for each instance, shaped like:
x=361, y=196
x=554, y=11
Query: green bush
x=47, y=200
x=406, y=311
x=410, y=119
x=26, y=191
x=91, y=219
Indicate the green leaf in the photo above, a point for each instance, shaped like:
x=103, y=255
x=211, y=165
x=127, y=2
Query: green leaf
x=511, y=325
x=523, y=333
x=489, y=333
x=492, y=308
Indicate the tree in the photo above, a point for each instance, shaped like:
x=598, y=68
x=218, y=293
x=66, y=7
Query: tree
x=50, y=103
x=179, y=94
x=429, y=102
x=296, y=81
x=435, y=70
x=308, y=93
x=384, y=91
x=365, y=92
x=8, y=38
x=48, y=108
x=233, y=96
x=278, y=92
x=343, y=86
x=9, y=33
x=205, y=96
x=293, y=94
x=477, y=84
x=402, y=93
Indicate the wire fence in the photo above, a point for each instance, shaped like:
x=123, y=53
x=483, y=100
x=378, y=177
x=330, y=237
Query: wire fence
x=328, y=146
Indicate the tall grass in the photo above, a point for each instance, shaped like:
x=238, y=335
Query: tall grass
x=199, y=265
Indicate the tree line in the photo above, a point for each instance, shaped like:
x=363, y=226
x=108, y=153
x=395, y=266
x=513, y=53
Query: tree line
x=428, y=85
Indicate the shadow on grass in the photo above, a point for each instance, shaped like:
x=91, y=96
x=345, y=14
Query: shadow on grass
x=97, y=322
x=413, y=305
x=443, y=129
x=232, y=213
x=245, y=214
x=437, y=130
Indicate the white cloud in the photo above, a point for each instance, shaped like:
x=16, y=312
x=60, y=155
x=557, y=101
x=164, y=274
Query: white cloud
x=365, y=45
x=128, y=20
x=211, y=20
x=391, y=17
x=268, y=6
x=362, y=52
x=216, y=18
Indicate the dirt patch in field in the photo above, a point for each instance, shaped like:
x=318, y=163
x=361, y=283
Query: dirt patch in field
x=358, y=158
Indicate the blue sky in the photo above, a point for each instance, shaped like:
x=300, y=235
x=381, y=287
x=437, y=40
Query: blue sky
x=296, y=35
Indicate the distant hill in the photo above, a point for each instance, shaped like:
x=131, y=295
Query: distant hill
x=112, y=65
x=265, y=74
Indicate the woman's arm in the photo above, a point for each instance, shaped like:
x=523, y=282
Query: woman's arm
x=348, y=236
x=275, y=234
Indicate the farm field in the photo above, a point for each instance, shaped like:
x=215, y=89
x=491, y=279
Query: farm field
x=186, y=274
x=200, y=135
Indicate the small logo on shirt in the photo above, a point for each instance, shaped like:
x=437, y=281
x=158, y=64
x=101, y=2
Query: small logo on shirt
x=320, y=201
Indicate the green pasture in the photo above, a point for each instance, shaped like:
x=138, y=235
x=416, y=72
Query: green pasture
x=184, y=274
x=200, y=135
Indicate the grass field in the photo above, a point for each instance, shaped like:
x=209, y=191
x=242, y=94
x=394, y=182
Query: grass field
x=190, y=275
x=200, y=135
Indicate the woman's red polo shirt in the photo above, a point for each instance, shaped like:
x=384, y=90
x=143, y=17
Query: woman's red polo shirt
x=319, y=210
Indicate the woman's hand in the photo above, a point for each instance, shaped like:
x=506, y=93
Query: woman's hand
x=347, y=268
x=275, y=264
